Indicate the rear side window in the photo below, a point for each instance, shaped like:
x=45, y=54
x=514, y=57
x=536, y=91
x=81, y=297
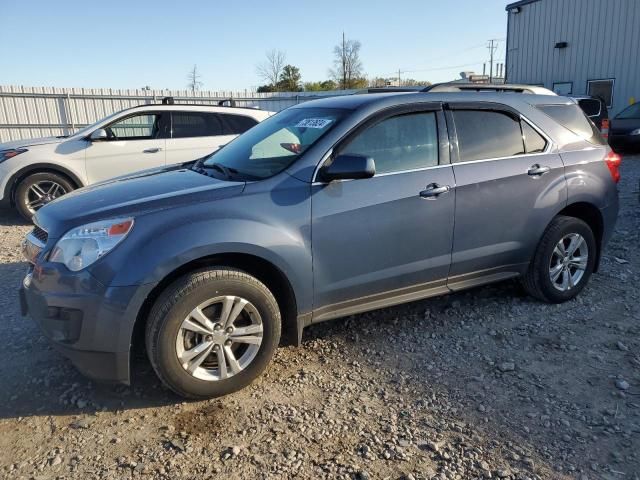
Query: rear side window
x=533, y=141
x=484, y=134
x=237, y=124
x=573, y=118
x=195, y=124
x=404, y=142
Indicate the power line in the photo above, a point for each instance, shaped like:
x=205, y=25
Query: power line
x=400, y=71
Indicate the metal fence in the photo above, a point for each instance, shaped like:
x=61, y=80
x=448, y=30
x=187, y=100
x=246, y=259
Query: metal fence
x=30, y=112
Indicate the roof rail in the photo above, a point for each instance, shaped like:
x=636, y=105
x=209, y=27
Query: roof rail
x=418, y=88
x=487, y=87
x=230, y=103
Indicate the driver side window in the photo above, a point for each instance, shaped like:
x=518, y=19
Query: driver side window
x=137, y=127
x=404, y=142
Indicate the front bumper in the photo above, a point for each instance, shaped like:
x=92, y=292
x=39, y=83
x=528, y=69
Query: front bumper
x=5, y=187
x=89, y=323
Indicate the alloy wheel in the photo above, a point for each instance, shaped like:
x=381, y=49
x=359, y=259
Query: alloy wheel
x=219, y=338
x=568, y=262
x=41, y=193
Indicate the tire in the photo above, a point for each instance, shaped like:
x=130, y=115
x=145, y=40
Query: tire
x=52, y=185
x=538, y=279
x=166, y=336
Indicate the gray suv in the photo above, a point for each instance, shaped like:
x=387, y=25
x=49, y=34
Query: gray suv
x=327, y=209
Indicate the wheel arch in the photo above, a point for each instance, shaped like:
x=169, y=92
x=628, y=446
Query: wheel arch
x=591, y=215
x=265, y=271
x=17, y=177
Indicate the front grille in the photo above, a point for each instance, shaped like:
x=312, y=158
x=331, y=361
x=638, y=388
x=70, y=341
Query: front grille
x=40, y=234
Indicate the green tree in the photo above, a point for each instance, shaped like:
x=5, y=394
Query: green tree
x=266, y=89
x=290, y=79
x=358, y=82
x=320, y=86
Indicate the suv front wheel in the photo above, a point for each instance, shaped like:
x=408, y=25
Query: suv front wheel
x=563, y=262
x=212, y=332
x=38, y=189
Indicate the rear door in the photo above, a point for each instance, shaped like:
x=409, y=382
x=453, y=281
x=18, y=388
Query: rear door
x=509, y=183
x=194, y=135
x=385, y=237
x=135, y=142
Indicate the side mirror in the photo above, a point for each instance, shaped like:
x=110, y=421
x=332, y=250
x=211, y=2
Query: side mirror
x=98, y=135
x=348, y=167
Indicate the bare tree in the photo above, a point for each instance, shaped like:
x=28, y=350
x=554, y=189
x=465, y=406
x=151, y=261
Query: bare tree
x=271, y=69
x=194, y=80
x=347, y=65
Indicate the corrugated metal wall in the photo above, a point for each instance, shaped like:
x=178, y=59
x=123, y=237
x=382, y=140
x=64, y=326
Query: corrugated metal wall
x=29, y=112
x=603, y=39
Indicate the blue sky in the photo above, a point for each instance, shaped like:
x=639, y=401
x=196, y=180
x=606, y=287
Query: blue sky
x=118, y=44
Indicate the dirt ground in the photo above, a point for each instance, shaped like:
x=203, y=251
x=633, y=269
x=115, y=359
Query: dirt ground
x=483, y=384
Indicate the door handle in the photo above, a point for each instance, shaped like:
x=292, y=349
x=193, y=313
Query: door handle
x=537, y=170
x=151, y=150
x=434, y=190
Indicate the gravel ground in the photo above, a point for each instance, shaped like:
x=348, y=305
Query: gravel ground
x=484, y=384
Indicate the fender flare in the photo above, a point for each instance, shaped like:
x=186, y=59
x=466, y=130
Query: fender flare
x=10, y=187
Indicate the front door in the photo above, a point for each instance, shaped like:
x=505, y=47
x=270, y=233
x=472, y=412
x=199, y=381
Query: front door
x=133, y=143
x=508, y=186
x=385, y=239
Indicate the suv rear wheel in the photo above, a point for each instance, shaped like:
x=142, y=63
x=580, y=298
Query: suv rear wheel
x=38, y=189
x=212, y=332
x=563, y=262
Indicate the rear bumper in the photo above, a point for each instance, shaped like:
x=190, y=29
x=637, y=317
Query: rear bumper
x=89, y=323
x=625, y=143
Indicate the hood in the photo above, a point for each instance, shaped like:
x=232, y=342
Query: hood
x=622, y=126
x=132, y=196
x=30, y=142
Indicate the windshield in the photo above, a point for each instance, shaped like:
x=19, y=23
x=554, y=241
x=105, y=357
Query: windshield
x=630, y=112
x=273, y=145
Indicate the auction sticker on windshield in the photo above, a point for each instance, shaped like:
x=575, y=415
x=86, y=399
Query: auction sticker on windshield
x=314, y=123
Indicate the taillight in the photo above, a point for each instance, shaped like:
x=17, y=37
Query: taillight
x=613, y=161
x=604, y=129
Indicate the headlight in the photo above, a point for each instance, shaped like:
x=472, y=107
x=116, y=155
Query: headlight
x=82, y=246
x=635, y=132
x=12, y=152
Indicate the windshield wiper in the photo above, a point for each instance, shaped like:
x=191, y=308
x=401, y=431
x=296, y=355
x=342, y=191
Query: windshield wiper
x=226, y=171
x=229, y=173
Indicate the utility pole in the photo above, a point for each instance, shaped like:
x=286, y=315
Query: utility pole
x=399, y=84
x=344, y=64
x=492, y=48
